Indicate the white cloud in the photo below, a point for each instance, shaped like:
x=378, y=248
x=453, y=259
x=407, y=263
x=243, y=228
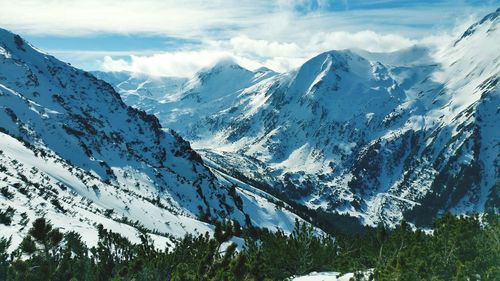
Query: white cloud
x=253, y=53
x=262, y=48
x=307, y=5
x=279, y=34
x=110, y=64
x=189, y=18
x=366, y=39
x=182, y=63
x=218, y=19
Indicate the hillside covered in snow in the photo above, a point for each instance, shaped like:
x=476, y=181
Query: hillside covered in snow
x=73, y=152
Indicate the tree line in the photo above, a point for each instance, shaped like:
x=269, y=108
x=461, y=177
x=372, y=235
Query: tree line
x=457, y=248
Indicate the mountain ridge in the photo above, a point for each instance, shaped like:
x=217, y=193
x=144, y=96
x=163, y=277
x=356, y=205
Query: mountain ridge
x=380, y=137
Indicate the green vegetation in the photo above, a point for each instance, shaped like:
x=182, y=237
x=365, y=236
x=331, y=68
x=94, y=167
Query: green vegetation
x=460, y=248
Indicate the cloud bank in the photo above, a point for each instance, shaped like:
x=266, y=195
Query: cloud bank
x=255, y=53
x=278, y=34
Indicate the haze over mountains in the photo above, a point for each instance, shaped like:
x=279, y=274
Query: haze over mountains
x=375, y=137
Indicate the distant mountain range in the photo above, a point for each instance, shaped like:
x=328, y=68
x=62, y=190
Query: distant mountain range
x=376, y=136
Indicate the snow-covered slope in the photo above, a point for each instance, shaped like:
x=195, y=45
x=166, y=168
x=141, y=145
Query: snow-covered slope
x=71, y=150
x=377, y=136
x=139, y=89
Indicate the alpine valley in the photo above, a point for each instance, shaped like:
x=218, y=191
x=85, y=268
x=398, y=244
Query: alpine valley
x=350, y=138
x=379, y=137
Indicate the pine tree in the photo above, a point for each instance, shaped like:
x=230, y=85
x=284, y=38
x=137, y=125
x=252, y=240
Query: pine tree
x=4, y=262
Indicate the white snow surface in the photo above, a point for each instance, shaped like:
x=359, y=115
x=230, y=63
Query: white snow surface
x=324, y=276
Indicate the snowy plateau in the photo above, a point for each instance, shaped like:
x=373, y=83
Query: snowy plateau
x=350, y=137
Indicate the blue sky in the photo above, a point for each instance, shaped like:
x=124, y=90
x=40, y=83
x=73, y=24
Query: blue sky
x=177, y=38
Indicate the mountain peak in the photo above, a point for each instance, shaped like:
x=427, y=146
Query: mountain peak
x=226, y=64
x=326, y=68
x=222, y=68
x=492, y=17
x=334, y=58
x=263, y=69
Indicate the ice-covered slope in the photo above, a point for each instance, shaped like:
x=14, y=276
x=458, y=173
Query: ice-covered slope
x=71, y=150
x=377, y=136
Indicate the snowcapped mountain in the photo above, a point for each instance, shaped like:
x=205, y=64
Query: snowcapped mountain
x=181, y=107
x=136, y=88
x=376, y=136
x=72, y=151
